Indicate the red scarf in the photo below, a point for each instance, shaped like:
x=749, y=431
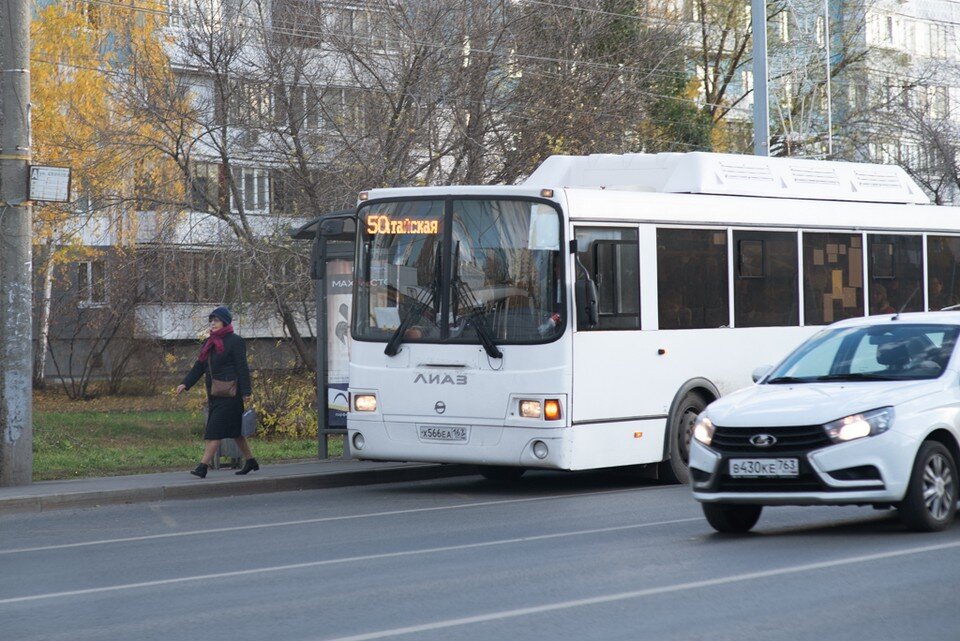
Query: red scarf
x=215, y=341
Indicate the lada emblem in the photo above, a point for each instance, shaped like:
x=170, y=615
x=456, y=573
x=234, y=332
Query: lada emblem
x=440, y=407
x=763, y=440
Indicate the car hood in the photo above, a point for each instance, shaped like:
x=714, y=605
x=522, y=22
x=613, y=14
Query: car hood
x=812, y=403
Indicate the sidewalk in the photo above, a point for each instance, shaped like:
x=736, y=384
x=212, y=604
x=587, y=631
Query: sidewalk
x=169, y=486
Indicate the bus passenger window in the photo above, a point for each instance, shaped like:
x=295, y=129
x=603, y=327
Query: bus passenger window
x=832, y=277
x=895, y=274
x=612, y=256
x=943, y=271
x=765, y=286
x=692, y=278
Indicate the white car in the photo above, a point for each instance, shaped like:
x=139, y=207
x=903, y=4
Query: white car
x=866, y=412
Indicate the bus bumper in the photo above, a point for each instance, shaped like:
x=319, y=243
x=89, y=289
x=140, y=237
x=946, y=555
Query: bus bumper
x=533, y=447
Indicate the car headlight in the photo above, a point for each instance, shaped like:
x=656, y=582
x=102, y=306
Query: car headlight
x=860, y=425
x=703, y=430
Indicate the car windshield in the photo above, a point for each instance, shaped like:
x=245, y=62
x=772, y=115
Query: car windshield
x=491, y=267
x=892, y=351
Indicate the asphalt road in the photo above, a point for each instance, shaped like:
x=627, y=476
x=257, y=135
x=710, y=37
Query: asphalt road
x=557, y=556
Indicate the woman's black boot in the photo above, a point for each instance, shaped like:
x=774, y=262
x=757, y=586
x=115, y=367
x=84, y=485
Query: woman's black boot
x=201, y=471
x=249, y=466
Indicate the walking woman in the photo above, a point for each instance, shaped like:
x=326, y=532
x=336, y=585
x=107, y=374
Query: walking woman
x=223, y=359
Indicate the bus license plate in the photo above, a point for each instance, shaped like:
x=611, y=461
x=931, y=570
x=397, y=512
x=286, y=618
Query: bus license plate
x=764, y=467
x=444, y=433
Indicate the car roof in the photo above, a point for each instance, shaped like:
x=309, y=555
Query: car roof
x=951, y=317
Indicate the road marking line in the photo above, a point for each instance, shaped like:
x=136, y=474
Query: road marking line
x=324, y=519
x=636, y=594
x=351, y=559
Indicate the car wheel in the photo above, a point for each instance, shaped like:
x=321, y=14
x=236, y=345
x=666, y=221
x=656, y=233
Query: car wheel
x=501, y=473
x=676, y=468
x=930, y=503
x=731, y=519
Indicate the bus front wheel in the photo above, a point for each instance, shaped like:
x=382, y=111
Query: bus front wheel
x=675, y=469
x=501, y=473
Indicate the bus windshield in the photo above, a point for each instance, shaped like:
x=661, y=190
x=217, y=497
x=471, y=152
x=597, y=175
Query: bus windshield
x=491, y=267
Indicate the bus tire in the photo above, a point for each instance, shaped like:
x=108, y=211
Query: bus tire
x=675, y=468
x=501, y=473
x=727, y=518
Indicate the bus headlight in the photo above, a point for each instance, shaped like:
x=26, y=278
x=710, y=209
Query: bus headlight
x=548, y=409
x=365, y=403
x=358, y=441
x=531, y=409
x=703, y=430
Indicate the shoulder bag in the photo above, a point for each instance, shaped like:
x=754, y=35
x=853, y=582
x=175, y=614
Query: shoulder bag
x=218, y=388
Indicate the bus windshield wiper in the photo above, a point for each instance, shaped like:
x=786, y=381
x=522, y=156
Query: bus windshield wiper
x=427, y=299
x=419, y=307
x=476, y=316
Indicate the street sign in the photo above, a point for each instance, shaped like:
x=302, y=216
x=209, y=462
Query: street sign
x=49, y=184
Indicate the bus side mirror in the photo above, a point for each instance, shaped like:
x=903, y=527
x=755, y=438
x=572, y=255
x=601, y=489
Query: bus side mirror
x=587, y=304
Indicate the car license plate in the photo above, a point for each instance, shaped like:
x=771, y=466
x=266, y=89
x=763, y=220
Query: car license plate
x=447, y=433
x=764, y=467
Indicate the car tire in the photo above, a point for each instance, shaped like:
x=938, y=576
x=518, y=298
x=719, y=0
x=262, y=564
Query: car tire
x=730, y=518
x=501, y=473
x=676, y=468
x=930, y=503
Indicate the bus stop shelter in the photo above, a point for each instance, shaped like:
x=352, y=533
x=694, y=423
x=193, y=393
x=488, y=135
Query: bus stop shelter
x=333, y=240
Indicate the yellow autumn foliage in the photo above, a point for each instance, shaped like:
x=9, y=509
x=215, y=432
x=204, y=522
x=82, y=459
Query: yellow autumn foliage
x=85, y=56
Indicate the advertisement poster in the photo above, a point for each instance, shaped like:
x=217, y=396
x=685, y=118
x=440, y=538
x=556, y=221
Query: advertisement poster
x=339, y=303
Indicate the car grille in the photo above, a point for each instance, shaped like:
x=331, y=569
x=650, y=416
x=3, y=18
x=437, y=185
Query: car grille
x=794, y=439
x=791, y=441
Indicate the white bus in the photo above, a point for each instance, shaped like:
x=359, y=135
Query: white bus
x=584, y=318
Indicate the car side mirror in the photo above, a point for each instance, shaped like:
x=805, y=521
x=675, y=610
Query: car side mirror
x=760, y=372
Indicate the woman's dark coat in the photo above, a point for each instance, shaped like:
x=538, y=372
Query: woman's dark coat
x=225, y=415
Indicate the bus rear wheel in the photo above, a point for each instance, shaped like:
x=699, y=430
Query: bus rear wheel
x=501, y=473
x=675, y=469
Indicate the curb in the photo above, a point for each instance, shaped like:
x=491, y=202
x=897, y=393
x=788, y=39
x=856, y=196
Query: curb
x=230, y=487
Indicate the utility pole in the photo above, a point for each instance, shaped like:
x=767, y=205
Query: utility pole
x=16, y=268
x=761, y=106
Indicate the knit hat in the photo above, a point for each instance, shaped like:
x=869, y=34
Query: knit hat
x=223, y=314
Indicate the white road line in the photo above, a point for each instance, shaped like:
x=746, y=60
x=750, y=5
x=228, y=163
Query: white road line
x=637, y=594
x=324, y=519
x=351, y=559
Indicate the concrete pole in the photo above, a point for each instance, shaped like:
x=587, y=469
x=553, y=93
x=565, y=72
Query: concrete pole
x=16, y=358
x=826, y=42
x=761, y=107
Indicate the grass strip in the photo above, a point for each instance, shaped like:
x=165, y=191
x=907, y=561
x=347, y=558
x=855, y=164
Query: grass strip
x=80, y=444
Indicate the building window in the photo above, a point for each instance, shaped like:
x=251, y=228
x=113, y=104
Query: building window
x=252, y=185
x=692, y=278
x=938, y=40
x=612, y=256
x=205, y=187
x=91, y=283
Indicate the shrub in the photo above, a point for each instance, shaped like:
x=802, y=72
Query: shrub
x=285, y=405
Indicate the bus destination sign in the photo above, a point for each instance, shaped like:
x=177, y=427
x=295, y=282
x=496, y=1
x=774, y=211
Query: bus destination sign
x=383, y=224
